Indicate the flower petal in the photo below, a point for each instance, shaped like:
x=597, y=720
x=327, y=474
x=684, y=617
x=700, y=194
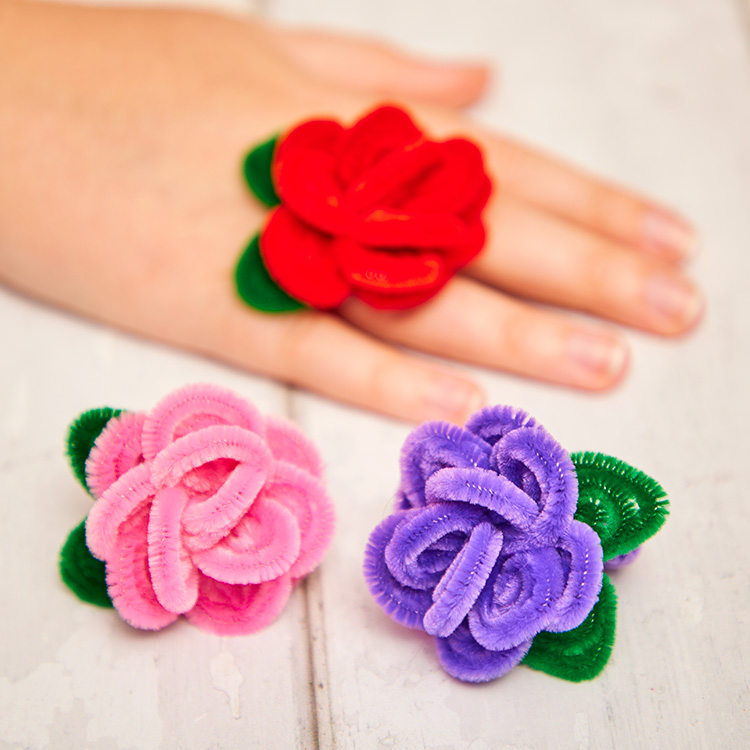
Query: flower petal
x=484, y=488
x=456, y=183
x=301, y=261
x=227, y=609
x=403, y=604
x=464, y=580
x=390, y=228
x=262, y=546
x=308, y=188
x=129, y=579
x=288, y=443
x=388, y=271
x=391, y=180
x=493, y=422
x=373, y=137
x=205, y=446
x=173, y=575
x=129, y=494
x=419, y=532
x=117, y=450
x=582, y=554
x=433, y=446
x=463, y=658
x=518, y=601
x=192, y=408
x=536, y=463
x=305, y=497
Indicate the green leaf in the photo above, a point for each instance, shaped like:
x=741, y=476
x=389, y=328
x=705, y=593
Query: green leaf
x=81, y=572
x=257, y=170
x=82, y=435
x=582, y=653
x=624, y=506
x=256, y=287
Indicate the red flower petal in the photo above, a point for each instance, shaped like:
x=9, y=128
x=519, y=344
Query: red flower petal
x=304, y=172
x=389, y=272
x=384, y=228
x=306, y=185
x=456, y=182
x=370, y=139
x=319, y=135
x=394, y=177
x=301, y=261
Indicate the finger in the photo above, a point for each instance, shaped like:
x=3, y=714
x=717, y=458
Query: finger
x=471, y=322
x=534, y=254
x=590, y=202
x=369, y=66
x=323, y=353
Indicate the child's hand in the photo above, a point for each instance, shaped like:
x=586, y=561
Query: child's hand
x=121, y=136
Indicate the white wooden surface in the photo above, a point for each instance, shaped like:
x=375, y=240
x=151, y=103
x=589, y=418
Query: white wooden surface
x=655, y=93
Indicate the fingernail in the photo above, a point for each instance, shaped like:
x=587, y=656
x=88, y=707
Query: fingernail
x=674, y=300
x=601, y=356
x=452, y=398
x=665, y=231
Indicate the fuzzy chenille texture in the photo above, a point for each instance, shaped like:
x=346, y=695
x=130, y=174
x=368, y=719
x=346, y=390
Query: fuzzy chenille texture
x=377, y=211
x=486, y=549
x=203, y=508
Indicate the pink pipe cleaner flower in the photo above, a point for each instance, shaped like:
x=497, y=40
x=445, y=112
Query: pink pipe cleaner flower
x=205, y=509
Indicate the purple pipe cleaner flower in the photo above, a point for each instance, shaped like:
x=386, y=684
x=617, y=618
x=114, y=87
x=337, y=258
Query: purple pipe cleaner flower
x=483, y=551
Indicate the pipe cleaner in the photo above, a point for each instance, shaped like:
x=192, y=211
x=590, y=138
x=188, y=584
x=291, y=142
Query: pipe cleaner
x=376, y=211
x=203, y=508
x=499, y=543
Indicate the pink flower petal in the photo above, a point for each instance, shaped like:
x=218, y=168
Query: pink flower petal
x=261, y=547
x=117, y=450
x=195, y=407
x=129, y=580
x=288, y=443
x=209, y=444
x=173, y=575
x=207, y=522
x=131, y=492
x=305, y=497
x=225, y=609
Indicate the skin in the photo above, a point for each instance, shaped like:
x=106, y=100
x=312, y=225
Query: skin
x=121, y=132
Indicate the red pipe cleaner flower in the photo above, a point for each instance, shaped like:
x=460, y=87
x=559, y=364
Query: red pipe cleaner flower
x=377, y=211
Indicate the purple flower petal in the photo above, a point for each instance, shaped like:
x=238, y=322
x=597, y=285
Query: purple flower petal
x=518, y=601
x=405, y=605
x=431, y=447
x=530, y=455
x=484, y=488
x=582, y=553
x=494, y=422
x=438, y=530
x=463, y=658
x=463, y=582
x=620, y=561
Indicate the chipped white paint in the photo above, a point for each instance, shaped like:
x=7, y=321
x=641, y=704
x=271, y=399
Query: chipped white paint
x=227, y=678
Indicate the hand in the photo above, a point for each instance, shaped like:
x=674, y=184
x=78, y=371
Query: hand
x=121, y=134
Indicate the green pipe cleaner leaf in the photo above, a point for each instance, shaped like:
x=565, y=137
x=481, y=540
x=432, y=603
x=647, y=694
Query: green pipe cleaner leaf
x=257, y=170
x=624, y=506
x=582, y=653
x=255, y=285
x=81, y=572
x=82, y=435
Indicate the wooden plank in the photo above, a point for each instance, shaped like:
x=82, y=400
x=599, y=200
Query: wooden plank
x=656, y=94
